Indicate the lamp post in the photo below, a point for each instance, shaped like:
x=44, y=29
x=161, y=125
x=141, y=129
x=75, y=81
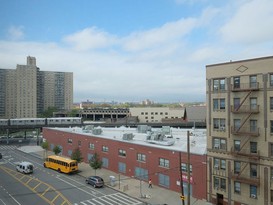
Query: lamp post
x=140, y=179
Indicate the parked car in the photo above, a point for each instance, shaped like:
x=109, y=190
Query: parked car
x=25, y=167
x=95, y=181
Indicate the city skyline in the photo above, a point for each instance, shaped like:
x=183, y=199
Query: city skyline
x=129, y=51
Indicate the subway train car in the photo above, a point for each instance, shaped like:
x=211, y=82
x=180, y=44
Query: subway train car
x=64, y=121
x=41, y=121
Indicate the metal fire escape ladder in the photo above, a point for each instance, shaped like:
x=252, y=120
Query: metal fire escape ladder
x=244, y=167
x=248, y=94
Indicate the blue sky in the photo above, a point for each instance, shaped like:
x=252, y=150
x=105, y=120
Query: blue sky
x=126, y=50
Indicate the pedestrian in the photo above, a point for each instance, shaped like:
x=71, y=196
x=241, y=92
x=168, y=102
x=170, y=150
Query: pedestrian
x=150, y=183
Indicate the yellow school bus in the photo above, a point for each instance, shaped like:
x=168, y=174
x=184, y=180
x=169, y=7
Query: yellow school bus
x=61, y=164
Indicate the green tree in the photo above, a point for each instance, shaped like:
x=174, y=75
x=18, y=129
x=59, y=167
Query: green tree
x=73, y=113
x=95, y=162
x=77, y=155
x=49, y=112
x=57, y=149
x=45, y=146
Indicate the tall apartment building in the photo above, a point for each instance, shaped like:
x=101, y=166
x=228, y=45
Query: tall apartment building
x=240, y=132
x=26, y=91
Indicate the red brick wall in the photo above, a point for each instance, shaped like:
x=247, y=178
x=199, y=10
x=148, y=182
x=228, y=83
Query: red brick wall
x=153, y=154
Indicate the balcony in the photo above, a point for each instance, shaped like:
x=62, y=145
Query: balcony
x=245, y=153
x=245, y=109
x=245, y=131
x=245, y=87
x=246, y=179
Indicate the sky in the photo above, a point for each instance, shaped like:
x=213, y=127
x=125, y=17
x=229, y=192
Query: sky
x=132, y=50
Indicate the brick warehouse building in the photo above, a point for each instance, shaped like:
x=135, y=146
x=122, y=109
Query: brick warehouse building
x=128, y=151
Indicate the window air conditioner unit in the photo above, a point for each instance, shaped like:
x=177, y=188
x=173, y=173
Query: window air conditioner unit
x=223, y=128
x=253, y=196
x=216, y=166
x=216, y=147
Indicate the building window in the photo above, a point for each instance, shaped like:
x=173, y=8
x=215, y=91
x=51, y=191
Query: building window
x=236, y=82
x=141, y=173
x=253, y=170
x=237, y=167
x=271, y=80
x=164, y=180
x=253, y=104
x=219, y=143
x=69, y=141
x=271, y=126
x=253, y=147
x=219, y=104
x=216, y=182
x=91, y=146
x=219, y=164
x=271, y=173
x=105, y=149
x=253, y=81
x=253, y=191
x=271, y=103
x=164, y=162
x=253, y=126
x=184, y=167
x=237, y=145
x=237, y=187
x=219, y=183
x=105, y=162
x=218, y=84
x=122, y=167
x=219, y=124
x=271, y=150
x=122, y=152
x=141, y=157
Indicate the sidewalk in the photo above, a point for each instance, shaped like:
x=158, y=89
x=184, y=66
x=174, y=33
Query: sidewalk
x=128, y=185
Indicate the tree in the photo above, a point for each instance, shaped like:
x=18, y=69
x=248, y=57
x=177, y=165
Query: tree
x=57, y=149
x=45, y=146
x=95, y=162
x=77, y=155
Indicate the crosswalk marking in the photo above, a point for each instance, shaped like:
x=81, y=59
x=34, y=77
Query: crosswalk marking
x=112, y=199
x=8, y=147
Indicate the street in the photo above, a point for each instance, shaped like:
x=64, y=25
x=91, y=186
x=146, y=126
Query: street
x=46, y=186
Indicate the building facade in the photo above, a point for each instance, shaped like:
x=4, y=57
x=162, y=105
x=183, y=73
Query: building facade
x=27, y=91
x=136, y=158
x=239, y=132
x=157, y=114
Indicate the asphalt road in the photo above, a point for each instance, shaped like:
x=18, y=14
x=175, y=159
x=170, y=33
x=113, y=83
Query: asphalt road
x=46, y=186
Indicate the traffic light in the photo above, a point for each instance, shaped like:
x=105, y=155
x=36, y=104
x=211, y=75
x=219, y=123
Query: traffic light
x=182, y=197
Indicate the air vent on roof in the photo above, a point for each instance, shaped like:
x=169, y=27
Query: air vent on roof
x=128, y=136
x=97, y=131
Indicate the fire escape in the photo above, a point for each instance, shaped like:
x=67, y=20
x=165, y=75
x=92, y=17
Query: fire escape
x=247, y=155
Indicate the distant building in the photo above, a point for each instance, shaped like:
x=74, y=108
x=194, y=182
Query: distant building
x=239, y=132
x=157, y=114
x=26, y=91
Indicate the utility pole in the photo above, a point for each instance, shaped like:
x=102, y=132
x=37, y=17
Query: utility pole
x=181, y=180
x=188, y=167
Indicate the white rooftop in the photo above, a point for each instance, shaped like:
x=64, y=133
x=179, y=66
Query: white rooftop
x=198, y=137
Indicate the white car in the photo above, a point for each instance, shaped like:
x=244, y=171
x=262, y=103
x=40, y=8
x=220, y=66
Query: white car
x=25, y=167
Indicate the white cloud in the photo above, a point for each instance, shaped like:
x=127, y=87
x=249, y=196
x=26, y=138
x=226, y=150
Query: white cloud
x=89, y=38
x=169, y=32
x=251, y=23
x=15, y=33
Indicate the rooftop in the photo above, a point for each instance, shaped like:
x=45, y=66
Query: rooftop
x=198, y=137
